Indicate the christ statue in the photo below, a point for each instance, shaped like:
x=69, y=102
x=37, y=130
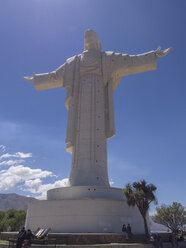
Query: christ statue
x=90, y=79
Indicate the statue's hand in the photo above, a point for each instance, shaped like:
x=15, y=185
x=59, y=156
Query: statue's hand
x=29, y=79
x=162, y=53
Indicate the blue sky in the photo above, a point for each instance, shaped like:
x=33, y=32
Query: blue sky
x=150, y=108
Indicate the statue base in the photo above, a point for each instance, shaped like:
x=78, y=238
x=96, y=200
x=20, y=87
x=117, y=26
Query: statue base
x=84, y=209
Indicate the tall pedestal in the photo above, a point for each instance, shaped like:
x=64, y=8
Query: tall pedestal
x=84, y=209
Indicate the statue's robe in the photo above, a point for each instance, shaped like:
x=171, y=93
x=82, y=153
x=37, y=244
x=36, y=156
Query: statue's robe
x=90, y=80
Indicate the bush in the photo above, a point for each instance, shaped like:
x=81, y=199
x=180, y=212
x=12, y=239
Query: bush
x=12, y=220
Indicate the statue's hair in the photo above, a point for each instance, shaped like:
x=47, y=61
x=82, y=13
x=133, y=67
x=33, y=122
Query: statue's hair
x=92, y=34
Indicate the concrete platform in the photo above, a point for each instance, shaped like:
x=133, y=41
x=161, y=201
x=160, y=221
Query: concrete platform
x=87, y=240
x=84, y=192
x=82, y=238
x=96, y=246
x=83, y=216
x=112, y=245
x=84, y=209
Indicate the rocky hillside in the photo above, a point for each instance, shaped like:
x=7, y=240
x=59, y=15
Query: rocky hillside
x=15, y=201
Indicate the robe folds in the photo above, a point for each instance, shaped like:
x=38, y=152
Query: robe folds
x=114, y=67
x=90, y=80
x=71, y=83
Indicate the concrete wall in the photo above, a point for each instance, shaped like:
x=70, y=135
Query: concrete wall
x=83, y=216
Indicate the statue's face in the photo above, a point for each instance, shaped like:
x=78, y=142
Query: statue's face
x=91, y=41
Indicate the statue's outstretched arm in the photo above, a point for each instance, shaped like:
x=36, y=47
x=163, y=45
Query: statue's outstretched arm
x=47, y=80
x=130, y=64
x=125, y=64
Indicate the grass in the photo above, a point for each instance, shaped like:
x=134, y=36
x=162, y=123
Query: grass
x=4, y=242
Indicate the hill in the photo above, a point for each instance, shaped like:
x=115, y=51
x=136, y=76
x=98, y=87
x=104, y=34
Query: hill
x=15, y=201
x=155, y=227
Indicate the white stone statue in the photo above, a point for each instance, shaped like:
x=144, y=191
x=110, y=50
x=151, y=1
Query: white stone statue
x=89, y=204
x=90, y=79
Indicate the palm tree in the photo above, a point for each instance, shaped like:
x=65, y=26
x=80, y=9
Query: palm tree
x=141, y=194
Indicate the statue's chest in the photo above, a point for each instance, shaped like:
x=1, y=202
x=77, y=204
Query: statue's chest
x=90, y=63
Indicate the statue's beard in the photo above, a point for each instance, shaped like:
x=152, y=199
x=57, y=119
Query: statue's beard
x=91, y=45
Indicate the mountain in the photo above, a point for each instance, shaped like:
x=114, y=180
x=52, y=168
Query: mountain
x=15, y=201
x=155, y=227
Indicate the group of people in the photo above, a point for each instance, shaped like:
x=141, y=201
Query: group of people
x=127, y=230
x=24, y=238
x=157, y=240
x=175, y=239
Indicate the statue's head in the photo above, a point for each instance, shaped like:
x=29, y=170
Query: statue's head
x=91, y=41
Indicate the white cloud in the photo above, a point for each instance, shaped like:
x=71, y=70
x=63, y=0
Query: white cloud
x=24, y=177
x=3, y=148
x=16, y=155
x=18, y=174
x=11, y=162
x=35, y=186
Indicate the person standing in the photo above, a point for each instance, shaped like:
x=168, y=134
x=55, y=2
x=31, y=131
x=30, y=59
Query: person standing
x=129, y=231
x=156, y=240
x=160, y=241
x=124, y=230
x=27, y=240
x=20, y=238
